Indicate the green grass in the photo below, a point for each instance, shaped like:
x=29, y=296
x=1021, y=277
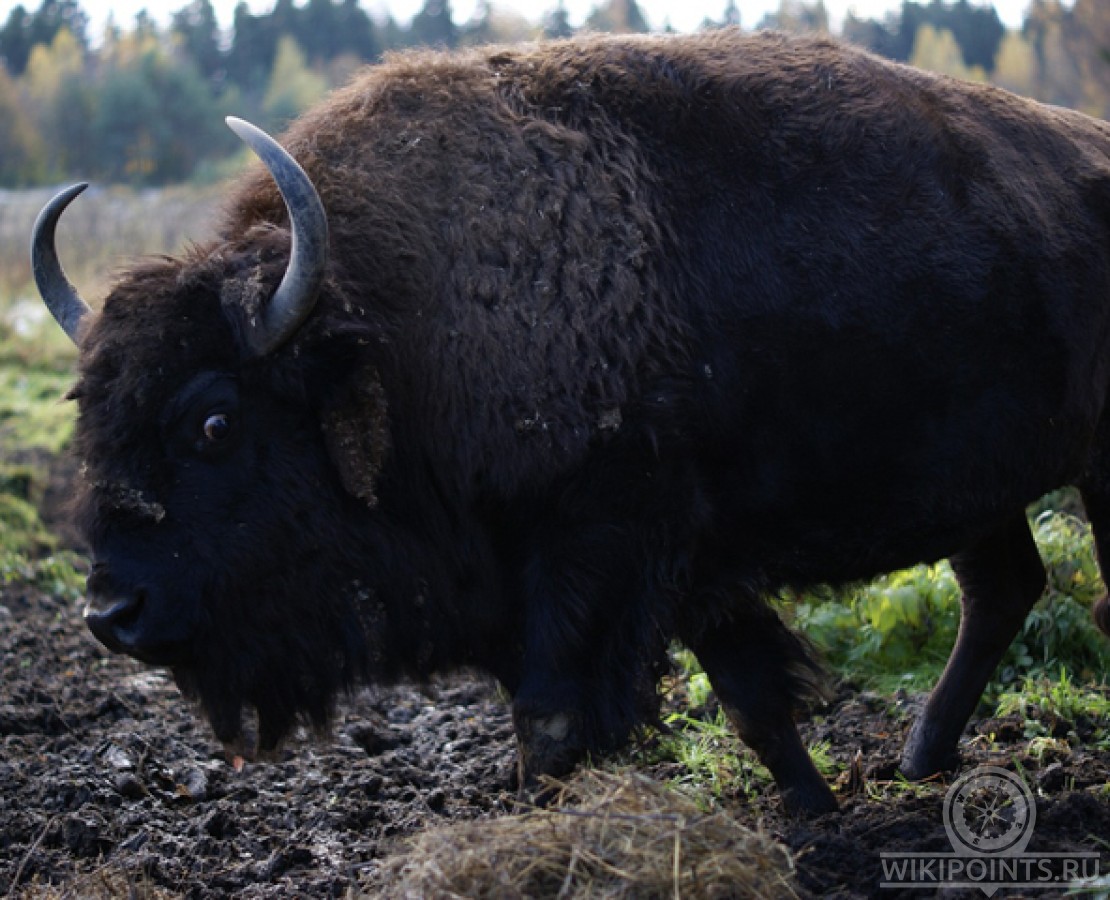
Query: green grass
x=700, y=740
x=21, y=530
x=1058, y=709
x=36, y=424
x=28, y=551
x=37, y=363
x=33, y=412
x=712, y=759
x=1062, y=698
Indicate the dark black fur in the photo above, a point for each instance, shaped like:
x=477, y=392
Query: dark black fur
x=619, y=337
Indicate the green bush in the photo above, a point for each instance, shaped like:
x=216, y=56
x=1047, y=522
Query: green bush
x=21, y=530
x=27, y=552
x=899, y=629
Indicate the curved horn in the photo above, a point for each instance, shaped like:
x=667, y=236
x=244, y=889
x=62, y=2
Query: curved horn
x=296, y=295
x=57, y=292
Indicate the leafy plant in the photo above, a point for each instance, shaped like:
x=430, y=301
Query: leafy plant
x=58, y=574
x=895, y=631
x=898, y=630
x=1058, y=633
x=691, y=680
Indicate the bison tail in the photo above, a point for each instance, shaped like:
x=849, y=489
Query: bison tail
x=1100, y=612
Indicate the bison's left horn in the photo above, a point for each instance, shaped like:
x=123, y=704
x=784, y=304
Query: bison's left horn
x=296, y=295
x=58, y=293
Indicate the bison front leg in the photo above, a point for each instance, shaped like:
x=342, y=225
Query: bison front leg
x=593, y=650
x=568, y=709
x=761, y=671
x=549, y=722
x=1001, y=576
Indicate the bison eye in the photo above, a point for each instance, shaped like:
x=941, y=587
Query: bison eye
x=217, y=427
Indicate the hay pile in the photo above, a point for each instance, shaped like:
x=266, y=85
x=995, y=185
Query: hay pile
x=106, y=883
x=604, y=836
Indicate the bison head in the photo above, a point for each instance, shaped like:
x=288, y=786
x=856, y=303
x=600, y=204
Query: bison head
x=216, y=517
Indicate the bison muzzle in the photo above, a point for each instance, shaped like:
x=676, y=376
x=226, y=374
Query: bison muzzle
x=537, y=360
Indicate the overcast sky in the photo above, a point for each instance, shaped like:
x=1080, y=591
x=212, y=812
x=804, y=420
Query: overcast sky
x=685, y=15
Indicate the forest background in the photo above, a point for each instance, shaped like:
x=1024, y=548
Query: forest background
x=143, y=105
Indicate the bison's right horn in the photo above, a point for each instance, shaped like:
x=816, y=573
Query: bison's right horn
x=58, y=293
x=296, y=295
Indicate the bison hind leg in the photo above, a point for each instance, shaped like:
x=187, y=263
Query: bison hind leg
x=762, y=672
x=1001, y=576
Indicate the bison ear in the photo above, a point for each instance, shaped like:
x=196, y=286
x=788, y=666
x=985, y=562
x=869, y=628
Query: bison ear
x=356, y=431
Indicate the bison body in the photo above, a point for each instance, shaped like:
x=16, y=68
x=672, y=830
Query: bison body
x=614, y=339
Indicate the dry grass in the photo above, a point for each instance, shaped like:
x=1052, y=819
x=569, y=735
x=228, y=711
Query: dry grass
x=604, y=836
x=99, y=233
x=105, y=884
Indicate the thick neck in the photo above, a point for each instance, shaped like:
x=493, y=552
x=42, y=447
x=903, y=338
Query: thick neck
x=428, y=599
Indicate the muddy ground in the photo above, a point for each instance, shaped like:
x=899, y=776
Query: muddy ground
x=110, y=785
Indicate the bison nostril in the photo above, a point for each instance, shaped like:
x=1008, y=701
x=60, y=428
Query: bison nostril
x=113, y=621
x=131, y=623
x=127, y=614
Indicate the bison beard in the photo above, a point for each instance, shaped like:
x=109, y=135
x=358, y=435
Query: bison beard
x=559, y=354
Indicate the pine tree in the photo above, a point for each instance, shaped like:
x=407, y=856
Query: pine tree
x=15, y=41
x=556, y=22
x=196, y=28
x=433, y=25
x=618, y=17
x=24, y=31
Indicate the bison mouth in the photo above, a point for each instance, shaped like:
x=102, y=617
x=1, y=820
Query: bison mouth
x=252, y=694
x=251, y=717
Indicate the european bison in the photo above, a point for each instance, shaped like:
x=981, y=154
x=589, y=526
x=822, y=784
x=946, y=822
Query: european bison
x=560, y=353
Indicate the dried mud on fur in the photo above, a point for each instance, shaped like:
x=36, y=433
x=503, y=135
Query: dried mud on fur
x=603, y=836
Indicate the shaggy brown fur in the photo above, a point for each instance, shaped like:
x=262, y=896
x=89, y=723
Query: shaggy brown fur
x=618, y=336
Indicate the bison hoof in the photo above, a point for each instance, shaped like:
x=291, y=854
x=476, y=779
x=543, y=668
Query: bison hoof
x=923, y=758
x=809, y=801
x=547, y=745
